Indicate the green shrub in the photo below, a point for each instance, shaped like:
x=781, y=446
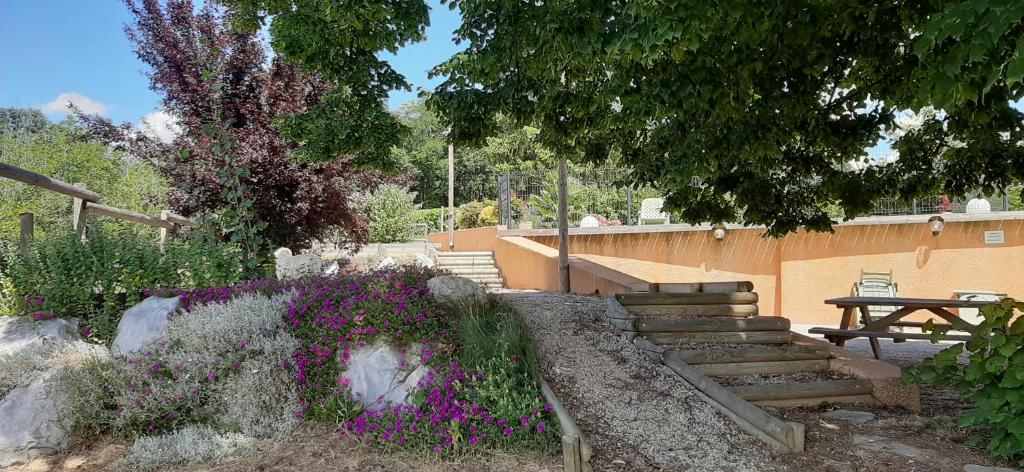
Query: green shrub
x=430, y=217
x=391, y=212
x=468, y=215
x=97, y=280
x=488, y=216
x=993, y=379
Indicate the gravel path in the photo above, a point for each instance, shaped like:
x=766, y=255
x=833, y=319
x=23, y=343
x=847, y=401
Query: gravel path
x=636, y=414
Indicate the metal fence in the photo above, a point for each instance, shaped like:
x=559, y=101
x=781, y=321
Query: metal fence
x=530, y=199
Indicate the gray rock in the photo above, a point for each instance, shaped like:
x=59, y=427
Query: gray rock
x=379, y=374
x=31, y=426
x=982, y=468
x=885, y=445
x=849, y=416
x=18, y=334
x=142, y=323
x=456, y=290
x=293, y=267
x=387, y=262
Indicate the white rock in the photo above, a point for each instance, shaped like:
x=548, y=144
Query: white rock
x=457, y=290
x=142, y=323
x=387, y=262
x=423, y=260
x=293, y=267
x=379, y=374
x=17, y=334
x=332, y=269
x=30, y=426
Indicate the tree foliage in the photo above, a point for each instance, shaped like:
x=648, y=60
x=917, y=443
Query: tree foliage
x=750, y=112
x=341, y=42
x=62, y=151
x=231, y=157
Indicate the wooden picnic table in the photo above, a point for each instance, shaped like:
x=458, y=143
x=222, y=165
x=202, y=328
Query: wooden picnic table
x=874, y=329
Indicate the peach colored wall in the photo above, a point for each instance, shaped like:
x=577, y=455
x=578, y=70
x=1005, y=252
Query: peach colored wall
x=819, y=266
x=526, y=264
x=473, y=239
x=696, y=256
x=795, y=274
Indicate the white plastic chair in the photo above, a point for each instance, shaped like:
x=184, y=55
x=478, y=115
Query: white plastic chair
x=650, y=211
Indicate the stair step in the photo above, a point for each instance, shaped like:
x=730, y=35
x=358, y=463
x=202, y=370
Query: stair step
x=487, y=280
x=799, y=390
x=728, y=369
x=461, y=263
x=720, y=337
x=751, y=354
x=865, y=399
x=756, y=323
x=441, y=255
x=473, y=270
x=690, y=311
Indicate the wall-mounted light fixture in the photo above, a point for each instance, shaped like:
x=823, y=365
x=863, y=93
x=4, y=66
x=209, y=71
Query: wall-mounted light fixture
x=718, y=231
x=936, y=223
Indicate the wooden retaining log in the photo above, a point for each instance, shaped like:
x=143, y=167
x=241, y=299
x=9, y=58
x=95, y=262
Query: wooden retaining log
x=576, y=452
x=693, y=325
x=789, y=391
x=734, y=298
x=753, y=354
x=811, y=402
x=692, y=310
x=720, y=337
x=785, y=436
x=762, y=368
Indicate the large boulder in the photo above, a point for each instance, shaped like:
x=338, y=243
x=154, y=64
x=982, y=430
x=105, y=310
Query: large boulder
x=142, y=323
x=456, y=290
x=292, y=267
x=18, y=334
x=380, y=375
x=30, y=425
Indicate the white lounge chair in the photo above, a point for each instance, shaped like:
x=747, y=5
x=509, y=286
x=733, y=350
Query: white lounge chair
x=877, y=284
x=650, y=212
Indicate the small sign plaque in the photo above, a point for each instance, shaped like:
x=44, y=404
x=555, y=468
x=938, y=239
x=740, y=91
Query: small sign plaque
x=995, y=237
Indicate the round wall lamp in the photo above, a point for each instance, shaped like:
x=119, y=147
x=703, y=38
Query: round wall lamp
x=936, y=223
x=718, y=231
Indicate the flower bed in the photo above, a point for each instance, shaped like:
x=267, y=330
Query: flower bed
x=481, y=389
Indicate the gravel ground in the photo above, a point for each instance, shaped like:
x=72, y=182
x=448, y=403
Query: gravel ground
x=635, y=414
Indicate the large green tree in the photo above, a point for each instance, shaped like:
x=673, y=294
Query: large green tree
x=752, y=111
x=341, y=41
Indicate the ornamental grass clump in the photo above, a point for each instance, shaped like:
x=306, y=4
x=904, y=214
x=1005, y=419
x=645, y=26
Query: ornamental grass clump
x=191, y=445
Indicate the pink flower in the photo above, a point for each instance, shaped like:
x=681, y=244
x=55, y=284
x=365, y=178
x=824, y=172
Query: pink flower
x=540, y=427
x=508, y=431
x=344, y=382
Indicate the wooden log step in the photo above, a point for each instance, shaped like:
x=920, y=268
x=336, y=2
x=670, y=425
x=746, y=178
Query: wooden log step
x=721, y=337
x=832, y=333
x=756, y=323
x=762, y=368
x=787, y=391
x=752, y=354
x=815, y=401
x=734, y=298
x=690, y=311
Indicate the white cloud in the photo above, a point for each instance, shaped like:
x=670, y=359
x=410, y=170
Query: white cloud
x=87, y=105
x=161, y=125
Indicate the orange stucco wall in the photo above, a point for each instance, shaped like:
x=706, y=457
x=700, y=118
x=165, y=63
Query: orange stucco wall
x=795, y=274
x=473, y=239
x=527, y=264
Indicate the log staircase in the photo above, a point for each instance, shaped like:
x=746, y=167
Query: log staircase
x=754, y=357
x=478, y=266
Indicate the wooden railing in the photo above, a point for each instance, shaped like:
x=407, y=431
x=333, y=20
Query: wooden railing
x=84, y=202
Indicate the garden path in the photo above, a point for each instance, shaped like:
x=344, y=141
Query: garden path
x=635, y=414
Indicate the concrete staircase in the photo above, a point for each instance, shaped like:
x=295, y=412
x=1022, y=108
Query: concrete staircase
x=476, y=265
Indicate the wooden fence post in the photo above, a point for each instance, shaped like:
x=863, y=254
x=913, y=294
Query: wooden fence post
x=78, y=212
x=27, y=221
x=164, y=231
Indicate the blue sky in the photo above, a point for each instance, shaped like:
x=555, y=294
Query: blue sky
x=54, y=47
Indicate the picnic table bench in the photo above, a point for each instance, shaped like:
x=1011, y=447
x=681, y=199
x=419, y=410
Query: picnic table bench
x=874, y=329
